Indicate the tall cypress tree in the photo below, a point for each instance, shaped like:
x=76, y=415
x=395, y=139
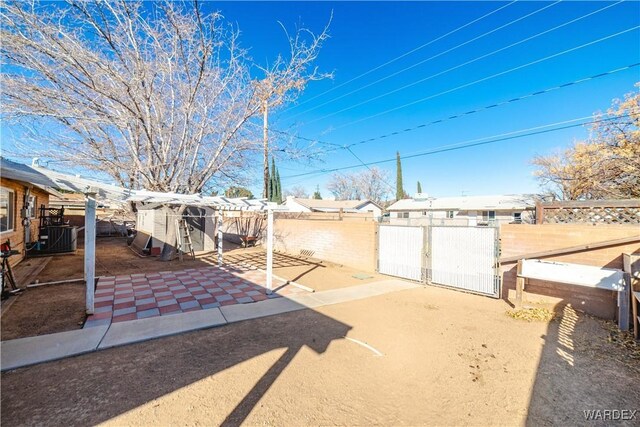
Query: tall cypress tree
x=399, y=187
x=419, y=187
x=272, y=181
x=268, y=185
x=278, y=198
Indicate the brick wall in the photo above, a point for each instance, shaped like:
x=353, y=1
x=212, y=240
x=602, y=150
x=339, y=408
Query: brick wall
x=348, y=242
x=521, y=239
x=16, y=236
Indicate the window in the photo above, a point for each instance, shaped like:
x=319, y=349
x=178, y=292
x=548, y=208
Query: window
x=517, y=217
x=403, y=215
x=450, y=214
x=7, y=209
x=488, y=216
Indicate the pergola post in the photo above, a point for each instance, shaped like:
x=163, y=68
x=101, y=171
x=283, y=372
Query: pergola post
x=269, y=250
x=90, y=249
x=220, y=237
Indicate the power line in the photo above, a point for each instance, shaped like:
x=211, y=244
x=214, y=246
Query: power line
x=459, y=115
x=405, y=54
x=367, y=166
x=474, y=143
x=440, y=54
x=501, y=73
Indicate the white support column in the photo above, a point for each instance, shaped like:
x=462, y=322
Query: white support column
x=90, y=249
x=220, y=236
x=269, y=251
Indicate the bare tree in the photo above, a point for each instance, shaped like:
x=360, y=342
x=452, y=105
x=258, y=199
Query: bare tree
x=369, y=184
x=159, y=96
x=606, y=165
x=296, y=191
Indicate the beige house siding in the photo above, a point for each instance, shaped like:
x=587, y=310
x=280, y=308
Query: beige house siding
x=17, y=235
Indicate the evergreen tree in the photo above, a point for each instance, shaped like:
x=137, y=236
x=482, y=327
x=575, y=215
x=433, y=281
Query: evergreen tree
x=399, y=188
x=316, y=194
x=419, y=187
x=272, y=181
x=278, y=185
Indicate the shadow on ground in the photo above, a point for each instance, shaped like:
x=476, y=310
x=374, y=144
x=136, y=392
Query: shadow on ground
x=568, y=382
x=134, y=375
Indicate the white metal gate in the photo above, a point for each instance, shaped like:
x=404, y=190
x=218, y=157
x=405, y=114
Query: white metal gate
x=401, y=251
x=465, y=258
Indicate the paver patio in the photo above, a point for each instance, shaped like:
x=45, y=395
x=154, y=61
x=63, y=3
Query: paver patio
x=143, y=295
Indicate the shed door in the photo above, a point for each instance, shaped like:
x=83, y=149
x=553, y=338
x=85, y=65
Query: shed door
x=195, y=221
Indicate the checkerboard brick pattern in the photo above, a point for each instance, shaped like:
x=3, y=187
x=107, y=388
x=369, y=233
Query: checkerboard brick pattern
x=139, y=296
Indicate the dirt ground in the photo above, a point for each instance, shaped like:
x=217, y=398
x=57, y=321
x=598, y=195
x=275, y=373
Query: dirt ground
x=59, y=308
x=447, y=358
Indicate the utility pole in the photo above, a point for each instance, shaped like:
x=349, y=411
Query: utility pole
x=265, y=141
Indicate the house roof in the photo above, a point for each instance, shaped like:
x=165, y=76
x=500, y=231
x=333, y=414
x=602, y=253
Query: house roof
x=497, y=202
x=329, y=205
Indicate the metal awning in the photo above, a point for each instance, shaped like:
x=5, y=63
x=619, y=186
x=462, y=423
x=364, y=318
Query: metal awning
x=51, y=181
x=96, y=190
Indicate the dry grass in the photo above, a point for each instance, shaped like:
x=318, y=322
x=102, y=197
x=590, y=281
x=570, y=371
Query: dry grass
x=532, y=314
x=623, y=339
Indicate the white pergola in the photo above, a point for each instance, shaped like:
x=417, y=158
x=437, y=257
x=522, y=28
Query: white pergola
x=98, y=191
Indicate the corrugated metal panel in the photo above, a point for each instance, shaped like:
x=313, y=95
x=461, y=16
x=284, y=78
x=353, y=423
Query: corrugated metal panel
x=465, y=258
x=400, y=251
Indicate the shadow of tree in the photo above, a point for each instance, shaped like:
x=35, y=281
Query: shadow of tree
x=97, y=387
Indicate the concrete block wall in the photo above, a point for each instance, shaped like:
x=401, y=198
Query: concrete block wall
x=521, y=239
x=351, y=243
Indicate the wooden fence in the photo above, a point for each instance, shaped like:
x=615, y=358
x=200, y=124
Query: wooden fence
x=620, y=212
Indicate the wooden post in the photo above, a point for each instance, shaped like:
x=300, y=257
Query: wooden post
x=220, y=236
x=623, y=304
x=539, y=213
x=90, y=249
x=631, y=265
x=269, y=251
x=519, y=285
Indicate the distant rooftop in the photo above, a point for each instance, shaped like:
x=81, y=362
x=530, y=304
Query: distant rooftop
x=320, y=204
x=464, y=203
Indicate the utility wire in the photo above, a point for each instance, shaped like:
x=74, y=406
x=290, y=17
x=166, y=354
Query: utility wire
x=474, y=143
x=367, y=166
x=405, y=54
x=447, y=51
x=456, y=116
x=501, y=73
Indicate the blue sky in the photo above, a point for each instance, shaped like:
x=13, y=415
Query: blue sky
x=367, y=34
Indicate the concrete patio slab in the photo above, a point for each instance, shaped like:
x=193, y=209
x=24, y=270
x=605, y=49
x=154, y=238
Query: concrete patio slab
x=155, y=327
x=44, y=348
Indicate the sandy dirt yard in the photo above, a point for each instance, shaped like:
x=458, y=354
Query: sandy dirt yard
x=445, y=358
x=58, y=308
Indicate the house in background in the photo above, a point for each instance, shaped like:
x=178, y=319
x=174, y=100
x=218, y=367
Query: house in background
x=295, y=204
x=20, y=203
x=466, y=210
